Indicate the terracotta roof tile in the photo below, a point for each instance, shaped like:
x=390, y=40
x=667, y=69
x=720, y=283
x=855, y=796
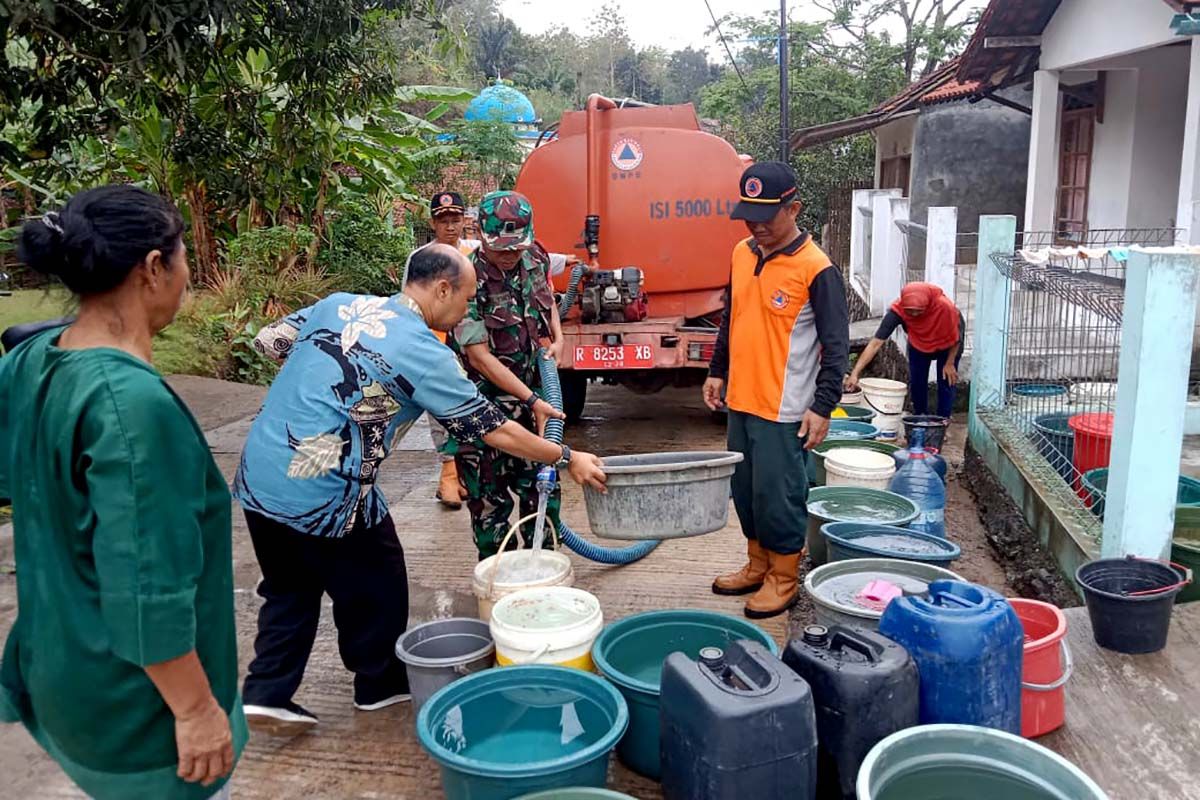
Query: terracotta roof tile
x=954, y=90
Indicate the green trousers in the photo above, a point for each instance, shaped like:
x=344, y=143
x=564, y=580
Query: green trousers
x=770, y=486
x=497, y=483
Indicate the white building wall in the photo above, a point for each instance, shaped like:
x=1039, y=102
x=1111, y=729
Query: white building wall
x=1158, y=138
x=1088, y=30
x=1112, y=153
x=892, y=140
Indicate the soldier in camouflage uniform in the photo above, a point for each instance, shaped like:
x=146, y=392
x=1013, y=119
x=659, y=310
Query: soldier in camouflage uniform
x=498, y=340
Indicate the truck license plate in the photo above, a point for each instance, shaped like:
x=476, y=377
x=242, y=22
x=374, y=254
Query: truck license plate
x=621, y=356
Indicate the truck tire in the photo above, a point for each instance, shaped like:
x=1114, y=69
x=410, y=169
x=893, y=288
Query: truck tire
x=574, y=393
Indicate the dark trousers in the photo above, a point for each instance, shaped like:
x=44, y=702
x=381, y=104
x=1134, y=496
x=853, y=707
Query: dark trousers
x=770, y=485
x=363, y=573
x=918, y=380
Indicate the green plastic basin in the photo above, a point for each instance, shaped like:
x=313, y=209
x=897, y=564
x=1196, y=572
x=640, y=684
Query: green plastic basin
x=852, y=504
x=816, y=456
x=947, y=762
x=502, y=733
x=855, y=413
x=1095, y=483
x=1185, y=549
x=578, y=793
x=631, y=652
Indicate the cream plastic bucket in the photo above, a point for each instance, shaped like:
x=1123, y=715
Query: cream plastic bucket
x=554, y=569
x=856, y=466
x=883, y=395
x=889, y=426
x=554, y=625
x=854, y=398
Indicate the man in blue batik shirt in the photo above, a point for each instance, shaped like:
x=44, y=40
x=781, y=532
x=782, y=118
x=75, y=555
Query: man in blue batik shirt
x=358, y=371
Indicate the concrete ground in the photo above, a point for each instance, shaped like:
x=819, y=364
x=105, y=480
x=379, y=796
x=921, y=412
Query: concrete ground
x=376, y=755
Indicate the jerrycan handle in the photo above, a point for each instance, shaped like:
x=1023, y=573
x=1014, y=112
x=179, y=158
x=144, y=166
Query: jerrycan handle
x=733, y=676
x=948, y=598
x=843, y=640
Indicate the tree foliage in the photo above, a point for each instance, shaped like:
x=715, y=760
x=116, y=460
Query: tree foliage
x=249, y=113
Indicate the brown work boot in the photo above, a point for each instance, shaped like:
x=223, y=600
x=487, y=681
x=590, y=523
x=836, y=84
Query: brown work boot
x=448, y=486
x=747, y=579
x=780, y=589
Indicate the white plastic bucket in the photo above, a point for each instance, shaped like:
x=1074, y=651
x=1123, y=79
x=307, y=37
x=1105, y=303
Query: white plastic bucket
x=856, y=466
x=554, y=625
x=883, y=395
x=1096, y=396
x=553, y=569
x=854, y=398
x=889, y=425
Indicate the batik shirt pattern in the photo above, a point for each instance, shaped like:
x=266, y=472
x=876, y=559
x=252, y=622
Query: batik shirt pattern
x=359, y=370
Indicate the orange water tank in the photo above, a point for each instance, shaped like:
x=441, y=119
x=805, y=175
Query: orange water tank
x=663, y=190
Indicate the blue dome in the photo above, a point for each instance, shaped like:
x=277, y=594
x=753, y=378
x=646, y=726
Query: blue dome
x=501, y=103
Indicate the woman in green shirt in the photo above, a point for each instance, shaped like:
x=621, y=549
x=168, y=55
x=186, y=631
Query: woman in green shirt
x=122, y=662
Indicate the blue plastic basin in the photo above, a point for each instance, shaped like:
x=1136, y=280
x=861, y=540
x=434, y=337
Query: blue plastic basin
x=507, y=732
x=846, y=540
x=631, y=652
x=850, y=429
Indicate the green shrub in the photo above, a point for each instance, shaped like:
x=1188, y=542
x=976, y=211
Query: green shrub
x=365, y=254
x=266, y=275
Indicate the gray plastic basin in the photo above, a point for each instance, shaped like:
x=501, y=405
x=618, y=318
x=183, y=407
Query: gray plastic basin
x=440, y=652
x=662, y=495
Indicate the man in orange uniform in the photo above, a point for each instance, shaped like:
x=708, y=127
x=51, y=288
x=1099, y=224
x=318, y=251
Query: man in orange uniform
x=447, y=214
x=780, y=356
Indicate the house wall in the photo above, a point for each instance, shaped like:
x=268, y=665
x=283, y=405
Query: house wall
x=1087, y=30
x=973, y=156
x=1138, y=147
x=1158, y=139
x=892, y=140
x=1112, y=153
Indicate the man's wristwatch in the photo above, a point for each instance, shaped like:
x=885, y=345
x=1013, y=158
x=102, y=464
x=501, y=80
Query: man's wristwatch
x=564, y=460
x=531, y=401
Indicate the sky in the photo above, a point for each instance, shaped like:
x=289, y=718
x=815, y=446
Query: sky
x=669, y=24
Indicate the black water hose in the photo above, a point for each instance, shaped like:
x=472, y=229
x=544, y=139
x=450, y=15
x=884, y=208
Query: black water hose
x=552, y=393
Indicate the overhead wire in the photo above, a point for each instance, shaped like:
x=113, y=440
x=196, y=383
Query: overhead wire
x=728, y=51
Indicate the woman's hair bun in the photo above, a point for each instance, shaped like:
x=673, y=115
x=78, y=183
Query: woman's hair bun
x=99, y=237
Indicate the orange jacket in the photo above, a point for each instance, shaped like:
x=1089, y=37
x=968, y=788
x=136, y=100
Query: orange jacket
x=784, y=342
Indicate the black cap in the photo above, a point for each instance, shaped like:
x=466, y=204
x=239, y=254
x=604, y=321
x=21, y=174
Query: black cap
x=446, y=203
x=764, y=188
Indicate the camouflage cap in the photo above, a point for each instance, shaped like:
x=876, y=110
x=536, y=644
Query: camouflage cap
x=506, y=221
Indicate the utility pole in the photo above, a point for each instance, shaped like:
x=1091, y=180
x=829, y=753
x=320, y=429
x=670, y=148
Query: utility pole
x=784, y=96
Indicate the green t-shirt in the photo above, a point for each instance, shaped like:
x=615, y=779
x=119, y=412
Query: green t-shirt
x=121, y=525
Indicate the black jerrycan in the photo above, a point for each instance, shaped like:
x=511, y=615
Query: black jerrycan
x=736, y=725
x=865, y=688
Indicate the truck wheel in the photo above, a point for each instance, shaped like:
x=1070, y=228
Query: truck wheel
x=574, y=393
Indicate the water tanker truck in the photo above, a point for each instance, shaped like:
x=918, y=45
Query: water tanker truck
x=642, y=195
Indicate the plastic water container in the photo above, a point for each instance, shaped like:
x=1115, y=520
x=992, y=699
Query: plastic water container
x=864, y=687
x=918, y=481
x=553, y=625
x=736, y=723
x=900, y=456
x=851, y=466
x=968, y=644
x=889, y=426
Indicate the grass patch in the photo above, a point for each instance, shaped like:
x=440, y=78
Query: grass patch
x=181, y=349
x=33, y=305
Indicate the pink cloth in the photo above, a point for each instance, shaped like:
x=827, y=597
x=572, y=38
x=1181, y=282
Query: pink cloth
x=877, y=594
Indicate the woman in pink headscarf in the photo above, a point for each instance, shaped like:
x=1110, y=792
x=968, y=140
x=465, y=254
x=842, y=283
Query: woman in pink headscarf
x=935, y=329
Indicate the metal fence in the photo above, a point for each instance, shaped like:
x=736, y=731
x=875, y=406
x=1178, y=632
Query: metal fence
x=965, y=250
x=1062, y=348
